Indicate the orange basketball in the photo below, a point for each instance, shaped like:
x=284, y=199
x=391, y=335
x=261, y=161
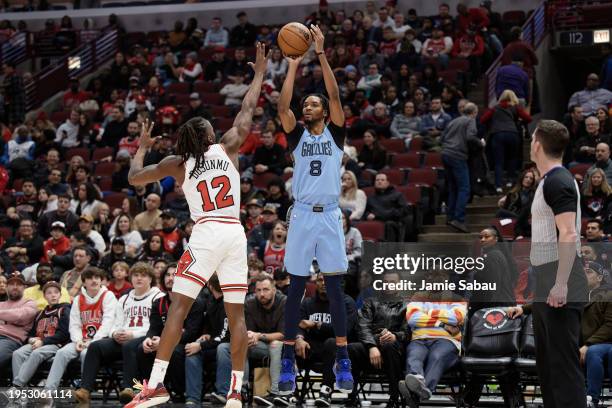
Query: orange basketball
x=294, y=39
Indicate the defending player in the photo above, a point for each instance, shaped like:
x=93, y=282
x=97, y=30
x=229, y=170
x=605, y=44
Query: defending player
x=208, y=173
x=315, y=227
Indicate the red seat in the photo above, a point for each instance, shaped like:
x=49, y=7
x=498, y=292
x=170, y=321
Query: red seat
x=212, y=98
x=371, y=230
x=507, y=231
x=221, y=111
x=424, y=177
x=459, y=64
x=412, y=194
x=393, y=145
x=105, y=183
x=580, y=169
x=204, y=86
x=357, y=143
x=102, y=152
x=416, y=144
x=17, y=184
x=6, y=232
x=181, y=99
x=77, y=151
x=262, y=180
x=433, y=159
x=59, y=117
x=369, y=191
x=114, y=200
x=367, y=177
x=105, y=169
x=178, y=88
x=406, y=160
x=449, y=76
x=224, y=124
x=395, y=176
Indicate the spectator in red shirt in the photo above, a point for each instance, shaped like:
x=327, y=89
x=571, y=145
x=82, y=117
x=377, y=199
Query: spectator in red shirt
x=59, y=243
x=74, y=96
x=388, y=45
x=470, y=46
x=438, y=46
x=131, y=141
x=171, y=234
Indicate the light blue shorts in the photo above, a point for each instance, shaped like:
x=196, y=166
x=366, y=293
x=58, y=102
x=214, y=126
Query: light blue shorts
x=315, y=234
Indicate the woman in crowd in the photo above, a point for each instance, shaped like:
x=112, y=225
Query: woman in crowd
x=153, y=249
x=71, y=174
x=450, y=100
x=352, y=198
x=125, y=230
x=273, y=253
x=405, y=125
x=353, y=240
x=46, y=202
x=605, y=127
x=102, y=219
x=502, y=122
x=595, y=196
x=420, y=97
x=517, y=203
x=87, y=201
x=372, y=156
x=277, y=65
x=432, y=81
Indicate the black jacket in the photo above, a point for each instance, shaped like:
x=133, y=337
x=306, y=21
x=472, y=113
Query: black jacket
x=215, y=321
x=273, y=157
x=243, y=36
x=53, y=324
x=317, y=310
x=376, y=315
x=69, y=219
x=387, y=205
x=193, y=322
x=259, y=319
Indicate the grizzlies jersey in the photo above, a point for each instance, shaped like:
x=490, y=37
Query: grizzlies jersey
x=318, y=160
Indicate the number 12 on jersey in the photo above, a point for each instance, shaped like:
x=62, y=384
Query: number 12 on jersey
x=222, y=200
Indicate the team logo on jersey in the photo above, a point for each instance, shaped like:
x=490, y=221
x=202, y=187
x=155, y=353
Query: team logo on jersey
x=316, y=149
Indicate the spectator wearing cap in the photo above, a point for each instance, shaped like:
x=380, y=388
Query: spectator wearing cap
x=172, y=235
x=244, y=34
x=115, y=128
x=591, y=97
x=86, y=223
x=27, y=247
x=196, y=108
x=117, y=253
x=371, y=56
x=44, y=274
x=149, y=220
x=71, y=279
x=48, y=334
x=74, y=96
x=270, y=157
x=58, y=244
x=17, y=315
x=216, y=67
x=261, y=233
x=216, y=34
x=235, y=91
x=67, y=134
x=253, y=215
x=131, y=141
x=278, y=197
x=438, y=47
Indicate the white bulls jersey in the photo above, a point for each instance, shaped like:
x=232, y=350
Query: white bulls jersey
x=214, y=188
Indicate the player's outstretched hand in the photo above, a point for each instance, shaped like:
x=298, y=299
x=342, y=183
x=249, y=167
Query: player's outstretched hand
x=261, y=59
x=146, y=140
x=293, y=62
x=318, y=37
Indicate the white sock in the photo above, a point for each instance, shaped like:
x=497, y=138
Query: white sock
x=158, y=373
x=236, y=382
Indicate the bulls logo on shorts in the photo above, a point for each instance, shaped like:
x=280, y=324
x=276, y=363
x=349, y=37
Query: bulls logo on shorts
x=185, y=262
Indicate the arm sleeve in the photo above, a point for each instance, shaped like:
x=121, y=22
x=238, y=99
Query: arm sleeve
x=560, y=193
x=293, y=137
x=338, y=133
x=20, y=316
x=360, y=205
x=75, y=321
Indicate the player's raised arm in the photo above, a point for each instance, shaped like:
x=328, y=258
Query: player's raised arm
x=169, y=166
x=336, y=114
x=284, y=110
x=233, y=138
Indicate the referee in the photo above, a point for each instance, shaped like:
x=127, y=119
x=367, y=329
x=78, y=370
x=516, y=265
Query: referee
x=561, y=287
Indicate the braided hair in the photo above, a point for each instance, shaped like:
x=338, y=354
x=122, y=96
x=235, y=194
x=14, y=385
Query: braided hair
x=193, y=141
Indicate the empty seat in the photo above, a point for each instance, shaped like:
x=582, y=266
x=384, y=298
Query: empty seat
x=220, y=111
x=105, y=183
x=507, y=229
x=211, y=98
x=412, y=194
x=102, y=152
x=459, y=64
x=77, y=151
x=393, y=145
x=357, y=143
x=59, y=117
x=371, y=230
x=449, y=76
x=406, y=160
x=204, y=86
x=424, y=177
x=105, y=169
x=416, y=144
x=433, y=159
x=181, y=99
x=178, y=88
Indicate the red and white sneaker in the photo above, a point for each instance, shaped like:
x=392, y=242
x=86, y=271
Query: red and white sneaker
x=234, y=400
x=148, y=397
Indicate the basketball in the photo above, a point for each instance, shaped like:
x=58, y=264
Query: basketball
x=294, y=39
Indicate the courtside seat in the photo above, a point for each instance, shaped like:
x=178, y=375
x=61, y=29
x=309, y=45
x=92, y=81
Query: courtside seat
x=483, y=365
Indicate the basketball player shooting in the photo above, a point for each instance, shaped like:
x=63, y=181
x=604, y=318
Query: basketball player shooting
x=208, y=173
x=315, y=227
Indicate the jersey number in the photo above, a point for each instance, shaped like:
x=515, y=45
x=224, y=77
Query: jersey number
x=222, y=200
x=315, y=168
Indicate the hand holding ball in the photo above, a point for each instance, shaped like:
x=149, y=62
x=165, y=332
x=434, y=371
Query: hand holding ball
x=294, y=39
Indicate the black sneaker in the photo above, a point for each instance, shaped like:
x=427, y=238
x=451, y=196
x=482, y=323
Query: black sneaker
x=460, y=226
x=324, y=399
x=284, y=401
x=352, y=402
x=218, y=398
x=407, y=395
x=267, y=401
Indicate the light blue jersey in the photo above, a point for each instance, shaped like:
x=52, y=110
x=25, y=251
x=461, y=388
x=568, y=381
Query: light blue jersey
x=315, y=226
x=318, y=160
